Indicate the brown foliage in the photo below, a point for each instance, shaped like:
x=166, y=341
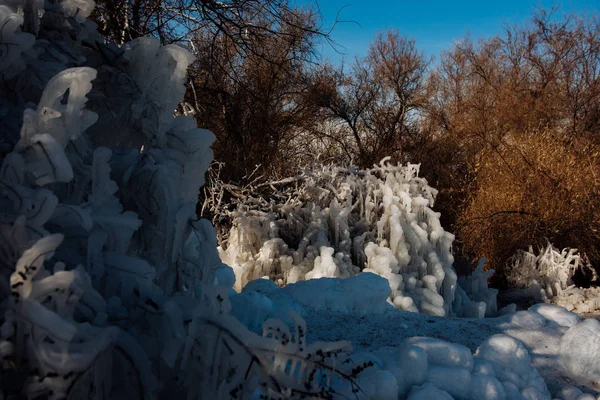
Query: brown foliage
x=516, y=134
x=534, y=187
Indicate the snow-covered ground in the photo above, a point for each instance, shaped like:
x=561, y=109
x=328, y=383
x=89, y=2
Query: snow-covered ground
x=373, y=332
x=518, y=345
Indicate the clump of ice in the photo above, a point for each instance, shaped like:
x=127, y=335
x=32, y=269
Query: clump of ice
x=512, y=366
x=336, y=222
x=546, y=274
x=579, y=300
x=525, y=320
x=580, y=351
x=365, y=293
x=556, y=314
x=16, y=42
x=442, y=353
x=429, y=368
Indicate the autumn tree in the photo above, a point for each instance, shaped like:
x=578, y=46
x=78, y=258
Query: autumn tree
x=516, y=137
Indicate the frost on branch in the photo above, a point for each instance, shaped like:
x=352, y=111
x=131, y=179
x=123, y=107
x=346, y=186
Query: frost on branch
x=337, y=222
x=13, y=42
x=550, y=271
x=45, y=306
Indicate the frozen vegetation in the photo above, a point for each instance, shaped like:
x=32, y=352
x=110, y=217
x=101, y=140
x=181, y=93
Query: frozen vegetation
x=110, y=288
x=548, y=277
x=333, y=222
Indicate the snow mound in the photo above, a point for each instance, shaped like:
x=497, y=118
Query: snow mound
x=363, y=294
x=443, y=353
x=428, y=392
x=525, y=320
x=579, y=300
x=556, y=314
x=580, y=351
x=429, y=368
x=512, y=365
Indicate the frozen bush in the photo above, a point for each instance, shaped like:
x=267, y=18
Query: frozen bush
x=334, y=222
x=548, y=276
x=548, y=273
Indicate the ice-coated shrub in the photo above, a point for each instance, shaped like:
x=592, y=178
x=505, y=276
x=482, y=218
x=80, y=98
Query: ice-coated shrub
x=335, y=222
x=109, y=285
x=549, y=277
x=546, y=274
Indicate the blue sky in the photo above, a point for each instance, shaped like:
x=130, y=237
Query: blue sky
x=434, y=24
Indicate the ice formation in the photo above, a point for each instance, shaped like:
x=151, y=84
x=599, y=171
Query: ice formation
x=546, y=274
x=548, y=277
x=364, y=294
x=15, y=42
x=427, y=368
x=109, y=285
x=580, y=351
x=111, y=288
x=337, y=222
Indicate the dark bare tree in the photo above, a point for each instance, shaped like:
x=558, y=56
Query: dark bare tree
x=372, y=108
x=244, y=22
x=252, y=101
x=250, y=75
